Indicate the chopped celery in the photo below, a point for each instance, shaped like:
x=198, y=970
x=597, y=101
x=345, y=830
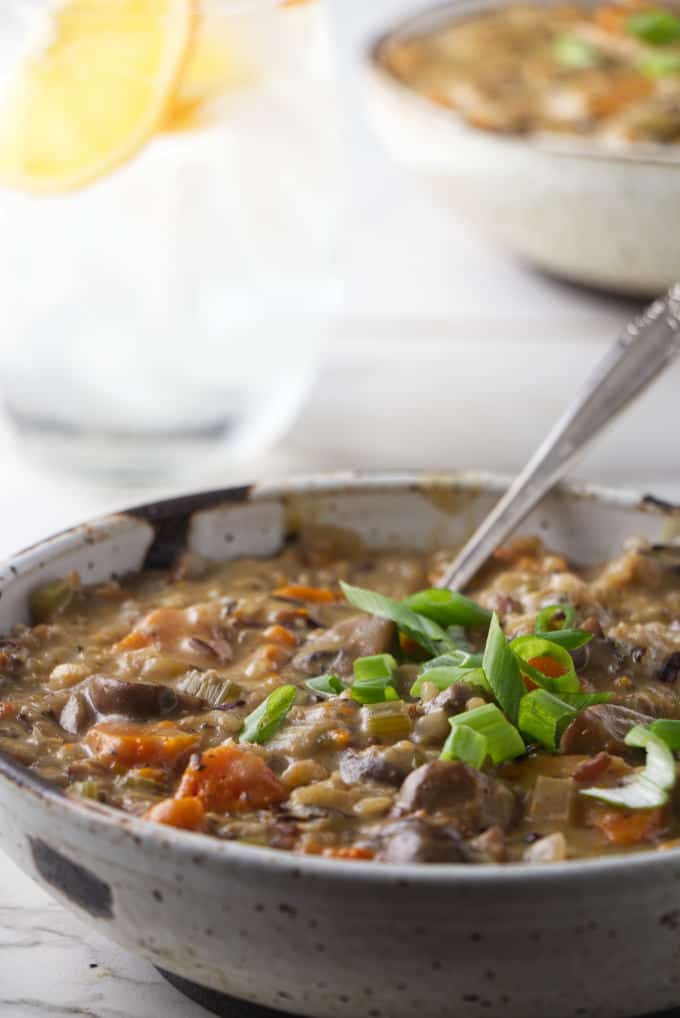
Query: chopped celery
x=209, y=686
x=386, y=721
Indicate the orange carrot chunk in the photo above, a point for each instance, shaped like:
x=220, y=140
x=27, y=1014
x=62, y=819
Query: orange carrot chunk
x=122, y=745
x=301, y=592
x=229, y=779
x=548, y=666
x=622, y=828
x=186, y=812
x=353, y=852
x=279, y=634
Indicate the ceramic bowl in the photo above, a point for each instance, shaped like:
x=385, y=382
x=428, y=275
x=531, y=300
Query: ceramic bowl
x=337, y=939
x=578, y=210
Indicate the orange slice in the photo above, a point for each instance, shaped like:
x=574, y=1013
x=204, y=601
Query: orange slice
x=95, y=93
x=215, y=65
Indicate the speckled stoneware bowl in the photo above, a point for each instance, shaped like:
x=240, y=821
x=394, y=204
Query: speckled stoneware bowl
x=577, y=210
x=333, y=938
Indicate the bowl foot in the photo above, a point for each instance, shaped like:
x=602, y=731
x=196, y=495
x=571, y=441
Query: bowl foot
x=220, y=1003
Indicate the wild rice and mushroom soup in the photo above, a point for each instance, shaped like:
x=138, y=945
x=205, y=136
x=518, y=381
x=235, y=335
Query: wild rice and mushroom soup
x=332, y=701
x=611, y=70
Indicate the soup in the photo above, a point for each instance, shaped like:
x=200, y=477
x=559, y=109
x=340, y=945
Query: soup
x=610, y=71
x=332, y=701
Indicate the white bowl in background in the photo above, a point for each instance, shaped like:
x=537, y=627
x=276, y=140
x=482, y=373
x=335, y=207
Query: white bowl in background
x=590, y=214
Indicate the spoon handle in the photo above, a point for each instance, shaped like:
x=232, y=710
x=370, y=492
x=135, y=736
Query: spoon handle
x=647, y=345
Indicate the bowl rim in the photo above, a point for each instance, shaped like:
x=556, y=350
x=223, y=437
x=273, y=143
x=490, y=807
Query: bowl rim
x=541, y=143
x=190, y=845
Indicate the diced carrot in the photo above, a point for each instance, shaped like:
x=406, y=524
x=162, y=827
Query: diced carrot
x=339, y=738
x=621, y=94
x=612, y=16
x=186, y=812
x=231, y=780
x=275, y=655
x=151, y=773
x=279, y=634
x=8, y=710
x=135, y=640
x=301, y=592
x=123, y=745
x=548, y=666
x=622, y=828
x=353, y=852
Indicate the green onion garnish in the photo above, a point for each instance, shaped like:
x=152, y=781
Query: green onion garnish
x=326, y=685
x=448, y=609
x=373, y=679
x=270, y=715
x=424, y=631
x=503, y=741
x=546, y=663
x=465, y=744
x=443, y=677
x=578, y=54
x=659, y=65
x=669, y=731
x=555, y=617
x=543, y=717
x=570, y=639
x=658, y=27
x=502, y=671
x=556, y=623
x=649, y=787
x=378, y=666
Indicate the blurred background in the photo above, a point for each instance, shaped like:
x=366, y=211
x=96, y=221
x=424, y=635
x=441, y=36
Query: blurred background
x=292, y=299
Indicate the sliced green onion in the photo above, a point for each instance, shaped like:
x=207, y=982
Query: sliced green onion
x=657, y=26
x=424, y=631
x=447, y=676
x=326, y=685
x=576, y=53
x=659, y=65
x=453, y=661
x=465, y=744
x=378, y=666
x=386, y=721
x=373, y=679
x=669, y=731
x=448, y=609
x=529, y=649
x=555, y=617
x=503, y=740
x=269, y=716
x=502, y=671
x=543, y=717
x=570, y=639
x=580, y=700
x=373, y=691
x=649, y=787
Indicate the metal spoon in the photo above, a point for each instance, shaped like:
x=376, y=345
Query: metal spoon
x=647, y=345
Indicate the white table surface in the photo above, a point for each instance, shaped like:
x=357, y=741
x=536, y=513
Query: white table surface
x=444, y=342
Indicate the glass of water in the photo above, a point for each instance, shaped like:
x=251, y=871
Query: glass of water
x=170, y=192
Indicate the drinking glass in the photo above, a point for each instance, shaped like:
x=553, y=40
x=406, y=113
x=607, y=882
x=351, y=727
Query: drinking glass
x=170, y=311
